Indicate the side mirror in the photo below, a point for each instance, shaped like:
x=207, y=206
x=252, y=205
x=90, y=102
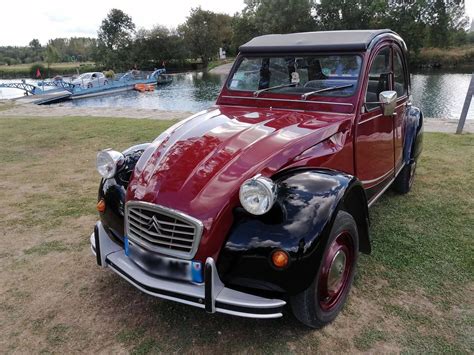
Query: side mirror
x=388, y=101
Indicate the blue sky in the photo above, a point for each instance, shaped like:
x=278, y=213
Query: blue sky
x=23, y=20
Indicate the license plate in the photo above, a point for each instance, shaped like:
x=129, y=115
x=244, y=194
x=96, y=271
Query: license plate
x=160, y=265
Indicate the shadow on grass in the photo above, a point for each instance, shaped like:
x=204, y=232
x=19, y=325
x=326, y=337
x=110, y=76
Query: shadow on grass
x=153, y=324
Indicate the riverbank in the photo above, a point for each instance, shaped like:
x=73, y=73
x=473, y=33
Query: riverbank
x=10, y=109
x=444, y=58
x=22, y=71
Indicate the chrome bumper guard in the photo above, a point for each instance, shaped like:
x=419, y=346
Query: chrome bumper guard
x=212, y=295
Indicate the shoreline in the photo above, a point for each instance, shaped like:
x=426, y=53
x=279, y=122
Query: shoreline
x=10, y=109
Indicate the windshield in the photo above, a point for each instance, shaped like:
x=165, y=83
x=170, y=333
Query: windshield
x=325, y=75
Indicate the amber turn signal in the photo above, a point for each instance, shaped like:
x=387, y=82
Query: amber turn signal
x=280, y=259
x=101, y=206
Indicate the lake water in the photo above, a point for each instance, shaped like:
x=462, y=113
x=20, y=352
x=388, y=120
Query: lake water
x=439, y=95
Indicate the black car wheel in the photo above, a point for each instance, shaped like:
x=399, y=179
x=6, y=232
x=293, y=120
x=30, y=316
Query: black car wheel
x=89, y=85
x=322, y=301
x=405, y=178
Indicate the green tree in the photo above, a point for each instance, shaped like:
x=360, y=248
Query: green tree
x=224, y=24
x=351, y=14
x=408, y=19
x=159, y=45
x=281, y=16
x=271, y=16
x=244, y=28
x=114, y=40
x=446, y=18
x=201, y=34
x=35, y=45
x=52, y=55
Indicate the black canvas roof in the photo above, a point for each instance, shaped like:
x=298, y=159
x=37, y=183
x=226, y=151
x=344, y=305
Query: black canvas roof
x=355, y=40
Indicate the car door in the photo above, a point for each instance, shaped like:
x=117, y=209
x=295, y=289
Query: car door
x=374, y=138
x=400, y=85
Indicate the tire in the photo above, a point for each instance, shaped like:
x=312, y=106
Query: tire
x=106, y=82
x=89, y=85
x=322, y=301
x=405, y=179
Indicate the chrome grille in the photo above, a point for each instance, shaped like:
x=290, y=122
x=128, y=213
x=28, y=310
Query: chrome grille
x=161, y=229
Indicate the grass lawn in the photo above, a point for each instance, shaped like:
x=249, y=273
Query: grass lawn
x=414, y=294
x=22, y=67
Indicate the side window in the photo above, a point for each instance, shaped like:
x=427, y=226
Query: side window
x=379, y=74
x=399, y=75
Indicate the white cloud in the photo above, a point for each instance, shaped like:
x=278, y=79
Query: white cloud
x=24, y=20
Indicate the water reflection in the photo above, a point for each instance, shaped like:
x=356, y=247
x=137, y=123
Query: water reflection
x=441, y=95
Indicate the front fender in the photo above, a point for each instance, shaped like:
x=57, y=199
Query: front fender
x=299, y=223
x=113, y=191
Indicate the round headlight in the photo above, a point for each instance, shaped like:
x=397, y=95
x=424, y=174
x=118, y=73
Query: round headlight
x=257, y=195
x=107, y=162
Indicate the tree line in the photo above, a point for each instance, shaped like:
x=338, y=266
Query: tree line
x=80, y=49
x=120, y=45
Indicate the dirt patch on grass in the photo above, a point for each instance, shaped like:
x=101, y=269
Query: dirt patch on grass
x=58, y=110
x=54, y=298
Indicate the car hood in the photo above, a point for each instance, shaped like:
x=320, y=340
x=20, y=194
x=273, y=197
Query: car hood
x=198, y=165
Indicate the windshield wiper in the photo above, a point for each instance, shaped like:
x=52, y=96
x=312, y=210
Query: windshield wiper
x=258, y=92
x=332, y=88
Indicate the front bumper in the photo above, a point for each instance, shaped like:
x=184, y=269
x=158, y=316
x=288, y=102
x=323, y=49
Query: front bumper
x=212, y=295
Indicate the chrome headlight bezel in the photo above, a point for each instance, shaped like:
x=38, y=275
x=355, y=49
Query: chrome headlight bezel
x=264, y=192
x=108, y=161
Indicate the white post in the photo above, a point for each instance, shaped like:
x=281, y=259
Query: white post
x=465, y=108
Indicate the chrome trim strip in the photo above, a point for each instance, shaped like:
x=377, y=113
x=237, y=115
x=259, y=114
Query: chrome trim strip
x=157, y=294
x=400, y=169
x=150, y=245
x=288, y=100
x=161, y=222
x=376, y=197
x=370, y=119
x=249, y=315
x=134, y=222
x=298, y=110
x=365, y=182
x=379, y=115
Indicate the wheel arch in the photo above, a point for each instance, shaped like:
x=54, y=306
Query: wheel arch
x=413, y=143
x=301, y=222
x=355, y=203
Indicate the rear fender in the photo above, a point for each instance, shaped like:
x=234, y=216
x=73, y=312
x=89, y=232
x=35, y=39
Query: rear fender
x=299, y=223
x=413, y=143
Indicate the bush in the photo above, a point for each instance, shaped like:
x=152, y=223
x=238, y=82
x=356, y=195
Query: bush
x=449, y=57
x=35, y=67
x=109, y=74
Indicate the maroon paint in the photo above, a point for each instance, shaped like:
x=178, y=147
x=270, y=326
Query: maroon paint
x=328, y=299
